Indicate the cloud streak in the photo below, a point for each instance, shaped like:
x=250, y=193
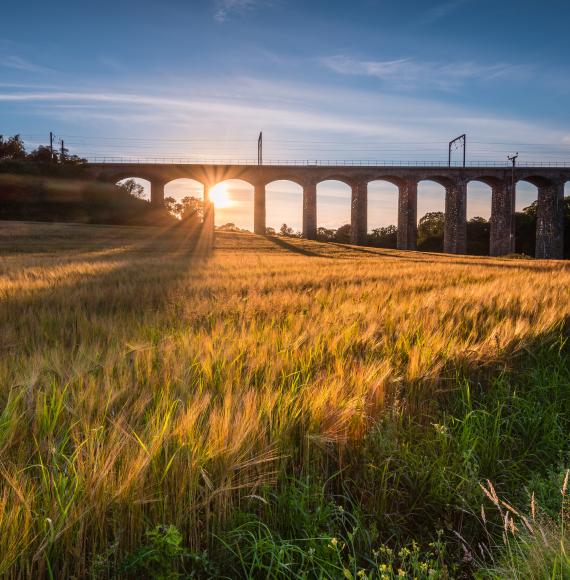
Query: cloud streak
x=20, y=64
x=227, y=8
x=408, y=73
x=444, y=9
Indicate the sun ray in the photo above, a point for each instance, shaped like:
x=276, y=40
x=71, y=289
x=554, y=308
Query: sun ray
x=220, y=196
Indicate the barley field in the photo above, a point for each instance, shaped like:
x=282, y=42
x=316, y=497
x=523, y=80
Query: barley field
x=267, y=407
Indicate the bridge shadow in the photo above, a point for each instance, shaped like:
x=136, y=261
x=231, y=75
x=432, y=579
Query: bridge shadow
x=297, y=249
x=95, y=279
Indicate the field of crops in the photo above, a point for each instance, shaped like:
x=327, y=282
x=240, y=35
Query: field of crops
x=274, y=407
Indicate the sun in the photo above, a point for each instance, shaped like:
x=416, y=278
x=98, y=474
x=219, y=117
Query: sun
x=220, y=196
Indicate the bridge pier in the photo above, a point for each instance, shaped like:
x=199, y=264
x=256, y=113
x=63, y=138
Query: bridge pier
x=259, y=218
x=455, y=228
x=550, y=222
x=408, y=215
x=209, y=211
x=157, y=192
x=310, y=211
x=502, y=236
x=359, y=213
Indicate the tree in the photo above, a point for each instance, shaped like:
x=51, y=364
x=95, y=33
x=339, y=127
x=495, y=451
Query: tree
x=478, y=233
x=229, y=227
x=133, y=188
x=41, y=154
x=430, y=232
x=286, y=231
x=325, y=234
x=270, y=231
x=386, y=237
x=12, y=148
x=192, y=210
x=342, y=235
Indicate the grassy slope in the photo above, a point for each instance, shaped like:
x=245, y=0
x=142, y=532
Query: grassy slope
x=147, y=380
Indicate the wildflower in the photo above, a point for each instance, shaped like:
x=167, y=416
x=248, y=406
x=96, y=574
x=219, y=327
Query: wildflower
x=401, y=573
x=361, y=573
x=440, y=429
x=404, y=553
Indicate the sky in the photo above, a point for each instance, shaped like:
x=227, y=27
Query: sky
x=324, y=80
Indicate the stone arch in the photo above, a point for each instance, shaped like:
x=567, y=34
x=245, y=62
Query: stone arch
x=333, y=203
x=566, y=218
x=144, y=183
x=431, y=199
x=383, y=195
x=180, y=187
x=479, y=205
x=526, y=204
x=335, y=177
x=284, y=199
x=240, y=193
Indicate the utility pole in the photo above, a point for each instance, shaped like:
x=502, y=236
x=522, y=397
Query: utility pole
x=260, y=149
x=51, y=137
x=62, y=154
x=460, y=141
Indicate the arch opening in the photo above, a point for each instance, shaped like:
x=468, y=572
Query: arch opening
x=136, y=186
x=234, y=208
x=333, y=211
x=383, y=213
x=479, y=199
x=526, y=205
x=567, y=220
x=183, y=196
x=431, y=215
x=284, y=207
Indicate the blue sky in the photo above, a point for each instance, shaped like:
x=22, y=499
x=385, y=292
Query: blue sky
x=365, y=79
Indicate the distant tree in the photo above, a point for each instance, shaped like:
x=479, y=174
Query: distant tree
x=189, y=209
x=478, y=233
x=229, y=227
x=342, y=234
x=12, y=148
x=133, y=188
x=192, y=210
x=41, y=154
x=430, y=232
x=325, y=234
x=270, y=231
x=286, y=231
x=386, y=237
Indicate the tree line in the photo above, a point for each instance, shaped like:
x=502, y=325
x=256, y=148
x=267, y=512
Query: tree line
x=431, y=230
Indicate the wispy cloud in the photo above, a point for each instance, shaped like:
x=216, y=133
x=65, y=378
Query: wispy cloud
x=409, y=73
x=288, y=111
x=226, y=8
x=442, y=10
x=17, y=63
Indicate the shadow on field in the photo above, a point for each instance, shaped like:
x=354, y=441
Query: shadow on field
x=294, y=248
x=97, y=278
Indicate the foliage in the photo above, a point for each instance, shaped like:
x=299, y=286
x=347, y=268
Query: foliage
x=190, y=209
x=386, y=237
x=133, y=188
x=13, y=149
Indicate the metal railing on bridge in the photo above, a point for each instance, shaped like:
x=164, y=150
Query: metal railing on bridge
x=319, y=162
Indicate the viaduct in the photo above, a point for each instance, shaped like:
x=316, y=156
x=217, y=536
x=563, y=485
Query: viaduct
x=550, y=182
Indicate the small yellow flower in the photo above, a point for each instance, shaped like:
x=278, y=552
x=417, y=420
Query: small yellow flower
x=401, y=573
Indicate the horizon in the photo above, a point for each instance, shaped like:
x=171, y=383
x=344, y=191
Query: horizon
x=372, y=80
